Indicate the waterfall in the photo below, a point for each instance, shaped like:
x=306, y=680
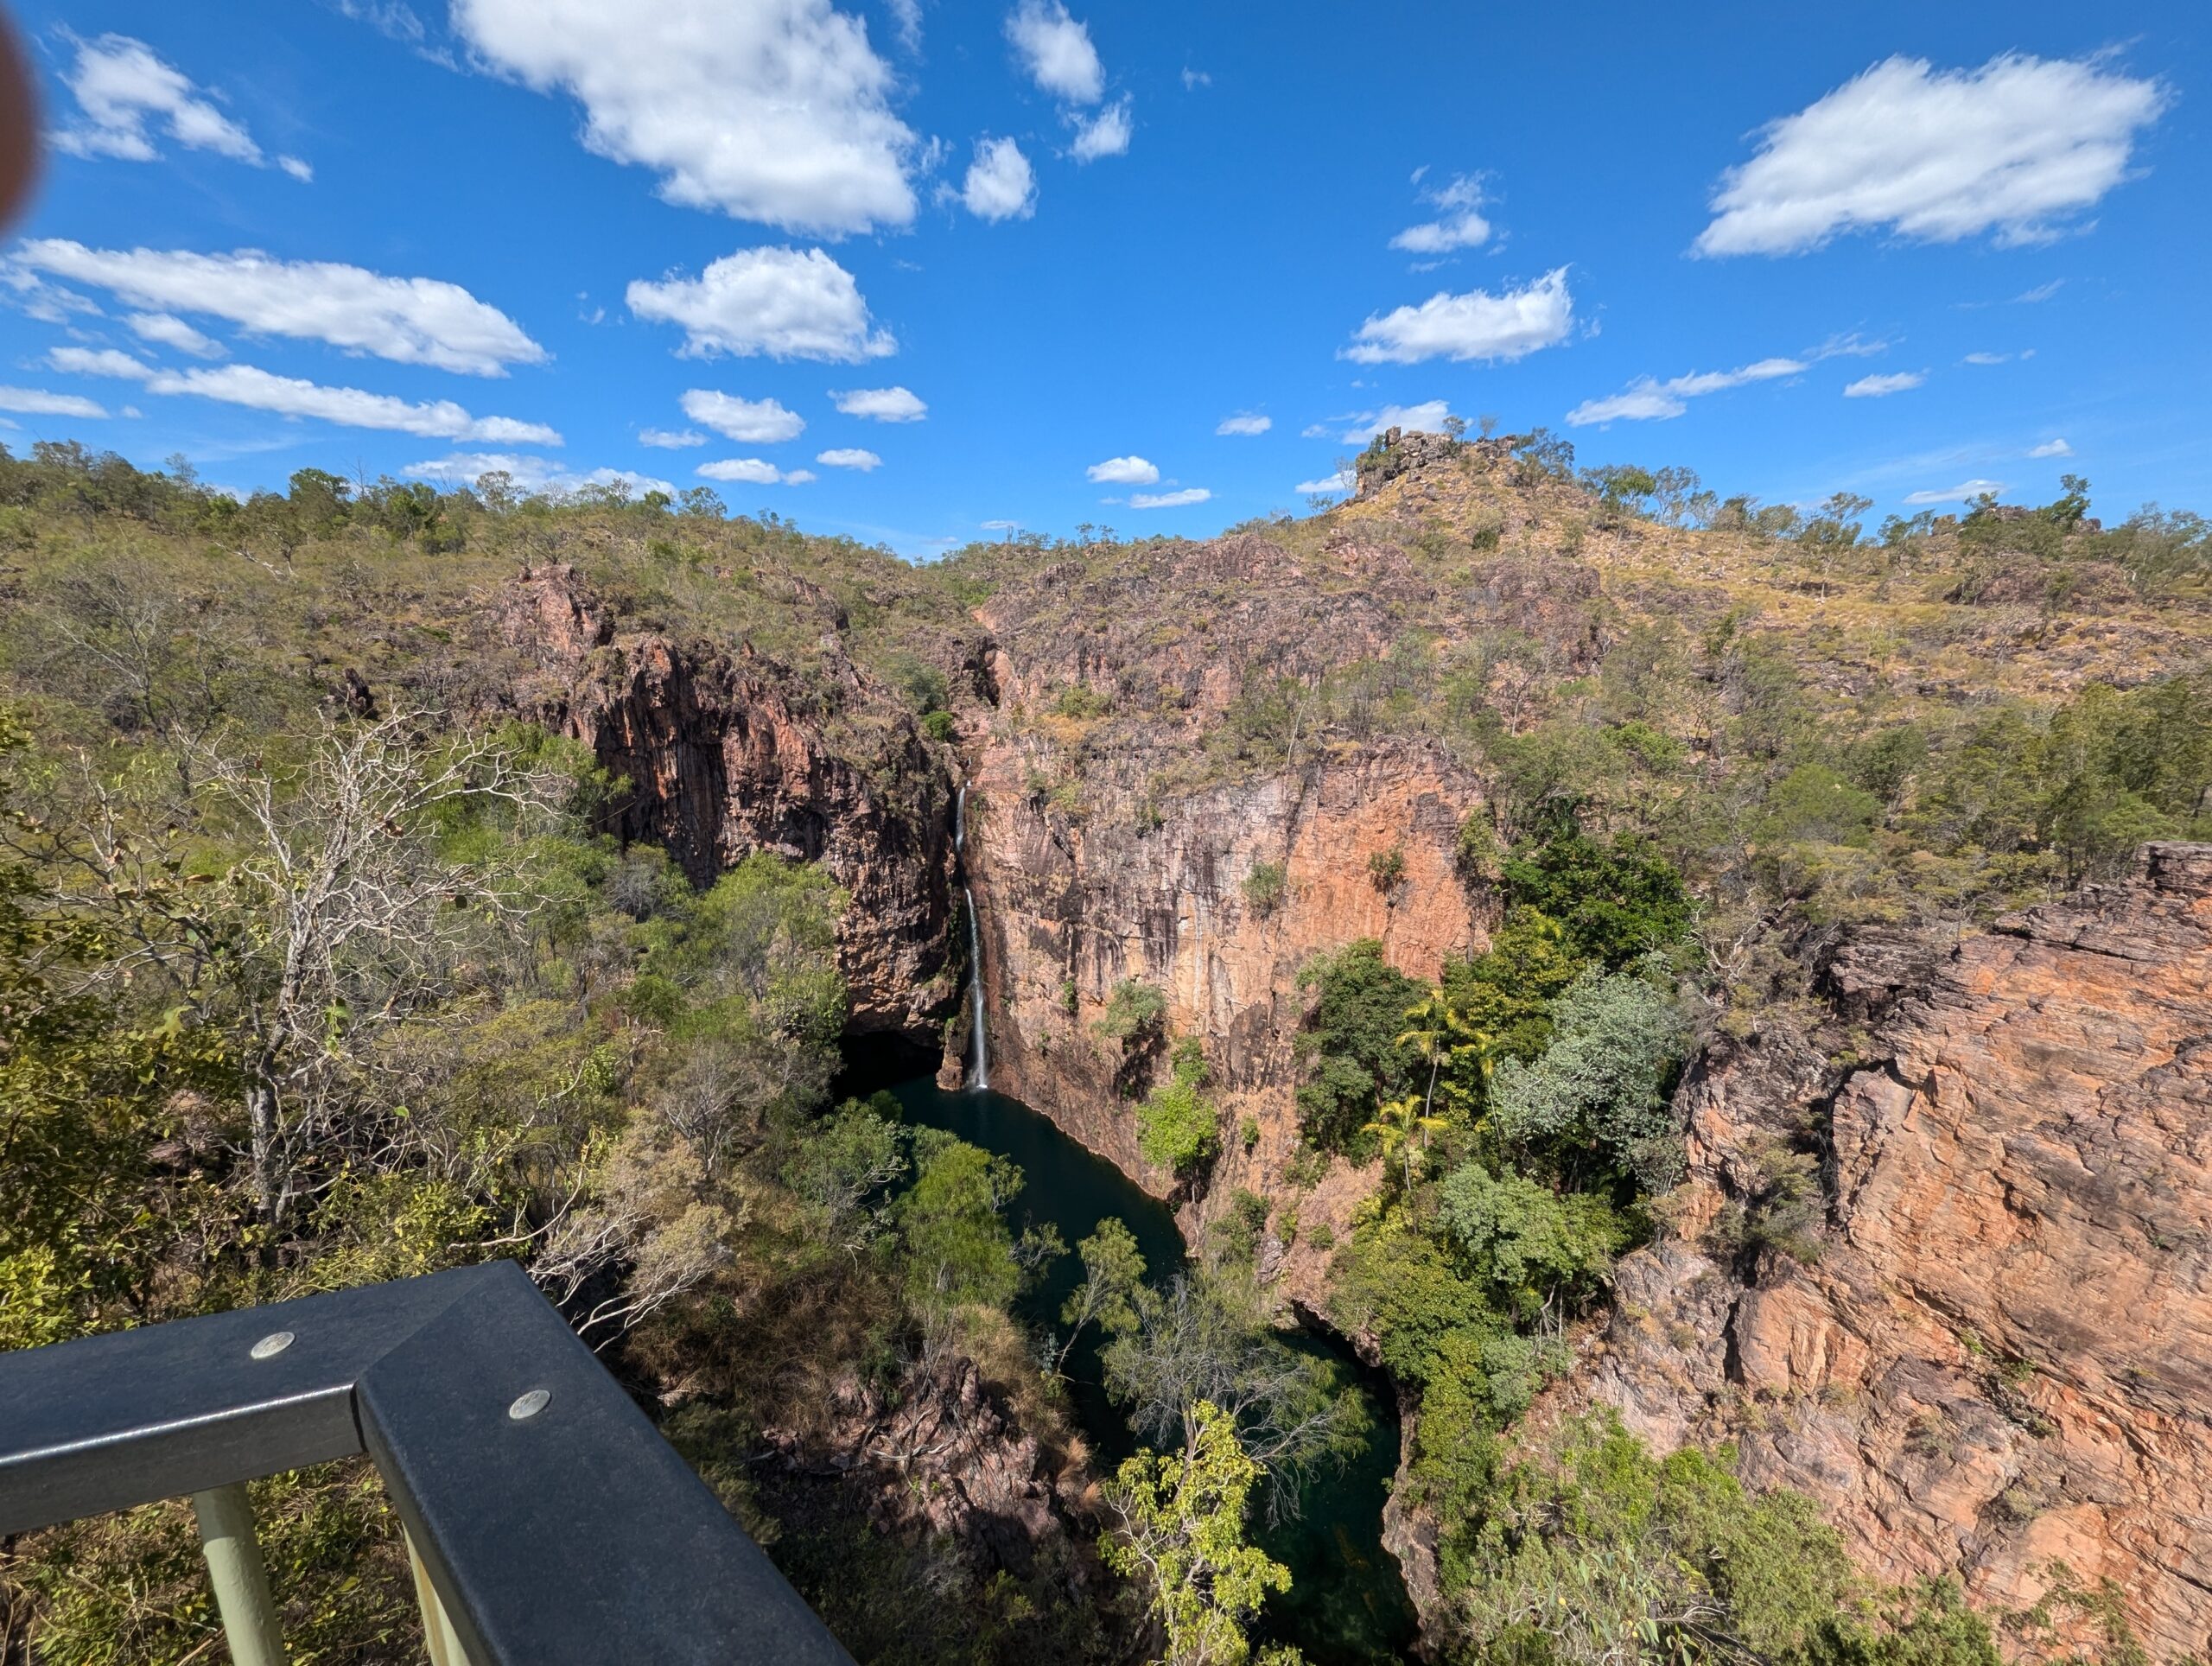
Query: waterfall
x=979, y=1052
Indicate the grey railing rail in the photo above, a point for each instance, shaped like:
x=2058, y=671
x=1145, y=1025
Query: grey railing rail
x=549, y=1522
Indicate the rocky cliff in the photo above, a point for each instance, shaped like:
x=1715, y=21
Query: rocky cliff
x=724, y=752
x=1995, y=1354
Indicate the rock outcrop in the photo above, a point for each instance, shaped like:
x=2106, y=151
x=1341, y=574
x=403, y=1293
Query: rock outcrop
x=725, y=752
x=1997, y=1353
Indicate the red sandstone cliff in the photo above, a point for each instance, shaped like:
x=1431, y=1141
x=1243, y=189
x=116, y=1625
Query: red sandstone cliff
x=725, y=753
x=2001, y=1355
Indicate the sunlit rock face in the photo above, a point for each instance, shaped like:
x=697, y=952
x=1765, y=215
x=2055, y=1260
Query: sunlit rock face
x=2001, y=1356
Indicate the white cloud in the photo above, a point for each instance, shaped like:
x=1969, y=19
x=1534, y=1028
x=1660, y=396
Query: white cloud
x=755, y=422
x=122, y=88
x=1000, y=184
x=410, y=320
x=169, y=331
x=1959, y=493
x=1245, y=422
x=290, y=395
x=670, y=440
x=850, y=457
x=753, y=471
x=37, y=402
x=907, y=16
x=1106, y=134
x=2052, y=449
x=2018, y=146
x=103, y=361
x=1880, y=387
x=775, y=110
x=1056, y=52
x=1460, y=227
x=1427, y=417
x=779, y=302
x=1122, y=471
x=1988, y=357
x=1476, y=325
x=1646, y=399
x=2041, y=292
x=528, y=473
x=1189, y=494
x=1340, y=481
x=881, y=405
x=1195, y=78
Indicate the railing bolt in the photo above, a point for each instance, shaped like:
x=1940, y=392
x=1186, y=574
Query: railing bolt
x=272, y=1344
x=529, y=1405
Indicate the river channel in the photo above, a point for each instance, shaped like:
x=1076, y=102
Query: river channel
x=1347, y=1603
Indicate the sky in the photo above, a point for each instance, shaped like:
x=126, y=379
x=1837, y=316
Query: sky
x=921, y=273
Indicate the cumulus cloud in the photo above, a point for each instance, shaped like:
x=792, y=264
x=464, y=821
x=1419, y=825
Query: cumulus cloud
x=1189, y=494
x=775, y=110
x=753, y=471
x=1880, y=387
x=1959, y=493
x=1056, y=52
x=1427, y=417
x=1646, y=399
x=1474, y=325
x=779, y=301
x=755, y=422
x=1461, y=226
x=849, y=457
x=1245, y=422
x=123, y=90
x=37, y=402
x=528, y=473
x=2016, y=147
x=1000, y=184
x=2052, y=449
x=290, y=395
x=670, y=439
x=410, y=320
x=881, y=405
x=1106, y=134
x=1123, y=471
x=168, y=330
x=1340, y=481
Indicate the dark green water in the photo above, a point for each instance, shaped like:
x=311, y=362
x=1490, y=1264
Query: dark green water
x=1346, y=1603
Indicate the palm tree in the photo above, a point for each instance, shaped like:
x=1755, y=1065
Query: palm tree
x=1440, y=1035
x=1397, y=1124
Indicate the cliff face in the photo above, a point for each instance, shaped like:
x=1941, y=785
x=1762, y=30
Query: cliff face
x=2001, y=1355
x=727, y=753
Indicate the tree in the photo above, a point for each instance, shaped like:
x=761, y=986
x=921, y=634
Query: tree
x=1206, y=1339
x=1113, y=1273
x=1182, y=1534
x=956, y=1245
x=1177, y=1127
x=342, y=917
x=1353, y=1039
x=1402, y=1130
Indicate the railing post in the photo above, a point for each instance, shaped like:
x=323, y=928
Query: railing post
x=240, y=1578
x=444, y=1643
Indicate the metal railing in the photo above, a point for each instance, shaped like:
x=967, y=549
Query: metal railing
x=548, y=1522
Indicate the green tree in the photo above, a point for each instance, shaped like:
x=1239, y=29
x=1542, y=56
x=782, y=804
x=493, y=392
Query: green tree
x=1615, y=901
x=955, y=1242
x=1113, y=1274
x=1177, y=1127
x=1353, y=1039
x=1182, y=1535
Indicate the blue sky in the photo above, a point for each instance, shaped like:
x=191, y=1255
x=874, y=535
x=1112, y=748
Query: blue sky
x=379, y=239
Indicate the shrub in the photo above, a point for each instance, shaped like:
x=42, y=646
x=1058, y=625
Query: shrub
x=1353, y=1038
x=940, y=725
x=1615, y=902
x=1265, y=887
x=1178, y=1128
x=1386, y=869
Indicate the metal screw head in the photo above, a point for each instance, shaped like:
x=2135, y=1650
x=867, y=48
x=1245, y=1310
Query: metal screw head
x=529, y=1405
x=272, y=1344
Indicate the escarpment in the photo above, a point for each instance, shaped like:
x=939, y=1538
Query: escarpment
x=722, y=753
x=1995, y=1355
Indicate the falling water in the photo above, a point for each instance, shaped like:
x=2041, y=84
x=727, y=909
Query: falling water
x=979, y=1064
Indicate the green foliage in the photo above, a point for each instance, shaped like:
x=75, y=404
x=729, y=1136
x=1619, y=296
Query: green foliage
x=1265, y=887
x=1135, y=1012
x=1080, y=700
x=1113, y=1275
x=1603, y=1552
x=1353, y=1039
x=1507, y=991
x=1600, y=1089
x=940, y=726
x=1615, y=901
x=1529, y=1246
x=1177, y=1127
x=1386, y=869
x=953, y=1238
x=1182, y=1537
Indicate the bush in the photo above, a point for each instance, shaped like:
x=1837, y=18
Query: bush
x=1178, y=1128
x=1386, y=869
x=1353, y=1039
x=940, y=725
x=1265, y=887
x=1615, y=902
